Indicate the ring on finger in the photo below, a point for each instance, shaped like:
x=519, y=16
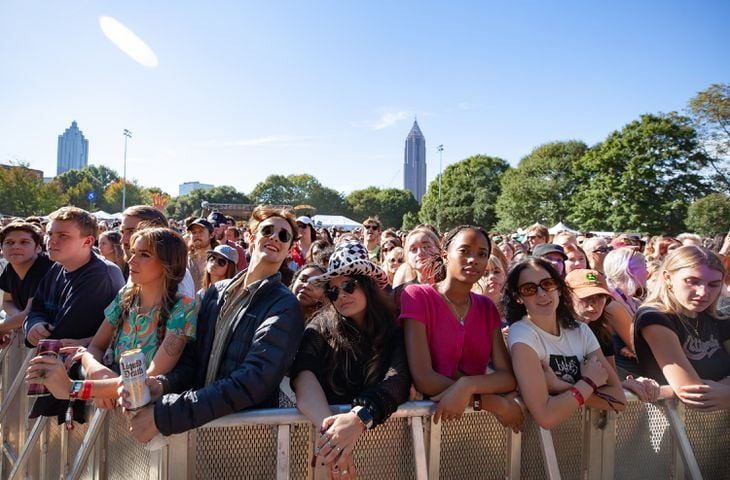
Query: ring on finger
x=329, y=444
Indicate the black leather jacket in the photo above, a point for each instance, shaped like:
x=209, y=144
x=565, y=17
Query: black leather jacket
x=261, y=350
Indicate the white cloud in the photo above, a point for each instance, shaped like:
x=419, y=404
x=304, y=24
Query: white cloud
x=465, y=106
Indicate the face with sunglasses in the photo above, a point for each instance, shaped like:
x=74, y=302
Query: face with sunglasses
x=538, y=291
x=273, y=240
x=348, y=297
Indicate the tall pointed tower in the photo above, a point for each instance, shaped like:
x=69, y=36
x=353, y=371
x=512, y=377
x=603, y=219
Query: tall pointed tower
x=414, y=164
x=73, y=150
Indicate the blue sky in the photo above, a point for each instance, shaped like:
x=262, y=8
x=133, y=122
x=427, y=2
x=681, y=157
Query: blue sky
x=246, y=89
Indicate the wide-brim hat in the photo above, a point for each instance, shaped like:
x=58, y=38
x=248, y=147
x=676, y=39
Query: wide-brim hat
x=351, y=258
x=586, y=282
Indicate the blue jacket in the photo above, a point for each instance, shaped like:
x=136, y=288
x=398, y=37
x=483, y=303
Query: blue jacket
x=260, y=352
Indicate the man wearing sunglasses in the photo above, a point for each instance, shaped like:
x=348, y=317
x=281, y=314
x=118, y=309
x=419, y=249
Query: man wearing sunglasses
x=371, y=237
x=596, y=249
x=249, y=329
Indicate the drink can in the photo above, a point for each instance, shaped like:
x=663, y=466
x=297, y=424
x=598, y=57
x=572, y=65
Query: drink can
x=134, y=373
x=45, y=347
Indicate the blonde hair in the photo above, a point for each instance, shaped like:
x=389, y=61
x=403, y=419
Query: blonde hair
x=616, y=269
x=662, y=296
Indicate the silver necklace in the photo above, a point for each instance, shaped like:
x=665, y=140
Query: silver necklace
x=686, y=321
x=455, y=309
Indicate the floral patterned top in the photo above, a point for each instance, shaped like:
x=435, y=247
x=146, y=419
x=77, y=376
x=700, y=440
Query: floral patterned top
x=140, y=330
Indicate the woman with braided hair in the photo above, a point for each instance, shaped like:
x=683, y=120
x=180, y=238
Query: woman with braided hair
x=147, y=313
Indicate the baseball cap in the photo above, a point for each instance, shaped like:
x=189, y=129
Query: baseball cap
x=203, y=223
x=225, y=251
x=217, y=218
x=545, y=248
x=305, y=220
x=586, y=282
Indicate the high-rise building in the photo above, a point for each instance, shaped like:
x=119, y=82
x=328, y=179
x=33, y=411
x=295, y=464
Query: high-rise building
x=414, y=165
x=73, y=150
x=187, y=187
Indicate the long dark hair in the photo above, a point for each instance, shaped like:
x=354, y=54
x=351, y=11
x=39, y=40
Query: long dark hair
x=514, y=311
x=349, y=343
x=170, y=248
x=436, y=262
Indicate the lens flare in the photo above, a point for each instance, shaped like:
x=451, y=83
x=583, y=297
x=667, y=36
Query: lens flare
x=128, y=42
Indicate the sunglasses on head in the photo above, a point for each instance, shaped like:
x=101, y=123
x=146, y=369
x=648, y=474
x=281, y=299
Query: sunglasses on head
x=530, y=289
x=347, y=286
x=284, y=235
x=222, y=262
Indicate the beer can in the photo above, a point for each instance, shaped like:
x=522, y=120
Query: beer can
x=133, y=367
x=45, y=347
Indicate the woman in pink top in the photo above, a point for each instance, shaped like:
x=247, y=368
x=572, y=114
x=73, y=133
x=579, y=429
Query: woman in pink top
x=453, y=333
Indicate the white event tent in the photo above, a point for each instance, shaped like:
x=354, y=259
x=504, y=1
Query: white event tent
x=339, y=221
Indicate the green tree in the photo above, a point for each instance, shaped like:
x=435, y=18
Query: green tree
x=190, y=204
x=710, y=112
x=24, y=194
x=300, y=189
x=469, y=191
x=389, y=205
x=77, y=195
x=641, y=178
x=410, y=220
x=709, y=215
x=538, y=189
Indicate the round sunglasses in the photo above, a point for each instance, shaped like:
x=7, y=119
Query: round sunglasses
x=269, y=231
x=221, y=262
x=529, y=289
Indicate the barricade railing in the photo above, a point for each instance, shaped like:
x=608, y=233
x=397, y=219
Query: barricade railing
x=660, y=440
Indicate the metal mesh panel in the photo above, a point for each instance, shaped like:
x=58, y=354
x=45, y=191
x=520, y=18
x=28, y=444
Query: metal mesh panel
x=568, y=441
x=709, y=435
x=386, y=452
x=643, y=443
x=53, y=460
x=236, y=452
x=300, y=450
x=473, y=447
x=126, y=458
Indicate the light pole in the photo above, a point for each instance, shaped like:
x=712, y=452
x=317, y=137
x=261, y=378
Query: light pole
x=439, y=149
x=127, y=135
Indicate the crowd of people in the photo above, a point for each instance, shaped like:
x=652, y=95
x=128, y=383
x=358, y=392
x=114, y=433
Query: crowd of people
x=277, y=312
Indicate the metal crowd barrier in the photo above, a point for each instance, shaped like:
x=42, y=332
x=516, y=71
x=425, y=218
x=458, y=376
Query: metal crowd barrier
x=662, y=440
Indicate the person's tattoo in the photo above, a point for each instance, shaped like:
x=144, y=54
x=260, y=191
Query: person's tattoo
x=174, y=344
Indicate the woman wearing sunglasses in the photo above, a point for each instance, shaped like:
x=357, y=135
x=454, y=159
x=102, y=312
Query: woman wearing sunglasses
x=452, y=334
x=557, y=361
x=351, y=353
x=596, y=249
x=393, y=259
x=221, y=265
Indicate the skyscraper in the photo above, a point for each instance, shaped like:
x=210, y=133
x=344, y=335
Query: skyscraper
x=414, y=165
x=73, y=150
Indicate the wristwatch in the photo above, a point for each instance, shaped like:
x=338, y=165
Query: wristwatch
x=364, y=415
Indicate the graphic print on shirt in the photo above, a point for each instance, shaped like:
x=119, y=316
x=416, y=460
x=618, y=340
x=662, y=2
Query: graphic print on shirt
x=698, y=349
x=566, y=368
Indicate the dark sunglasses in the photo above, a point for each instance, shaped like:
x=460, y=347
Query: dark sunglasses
x=396, y=260
x=222, y=262
x=602, y=250
x=530, y=289
x=347, y=287
x=284, y=235
x=371, y=227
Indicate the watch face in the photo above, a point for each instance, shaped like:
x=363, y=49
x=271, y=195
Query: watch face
x=365, y=416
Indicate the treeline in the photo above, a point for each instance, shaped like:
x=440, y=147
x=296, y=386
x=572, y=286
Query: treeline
x=661, y=173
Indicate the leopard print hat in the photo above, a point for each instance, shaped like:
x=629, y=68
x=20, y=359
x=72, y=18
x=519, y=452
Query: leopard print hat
x=351, y=258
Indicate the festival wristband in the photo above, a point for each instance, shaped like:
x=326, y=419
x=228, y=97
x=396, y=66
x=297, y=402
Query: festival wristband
x=578, y=396
x=590, y=382
x=85, y=391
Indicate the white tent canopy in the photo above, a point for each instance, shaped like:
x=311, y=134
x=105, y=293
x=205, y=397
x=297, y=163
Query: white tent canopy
x=102, y=215
x=338, y=221
x=561, y=227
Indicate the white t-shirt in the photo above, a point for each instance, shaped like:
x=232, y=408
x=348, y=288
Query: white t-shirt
x=564, y=353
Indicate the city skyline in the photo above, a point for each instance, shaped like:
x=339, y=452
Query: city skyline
x=232, y=93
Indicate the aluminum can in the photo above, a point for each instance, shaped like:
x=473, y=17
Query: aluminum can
x=45, y=347
x=133, y=367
